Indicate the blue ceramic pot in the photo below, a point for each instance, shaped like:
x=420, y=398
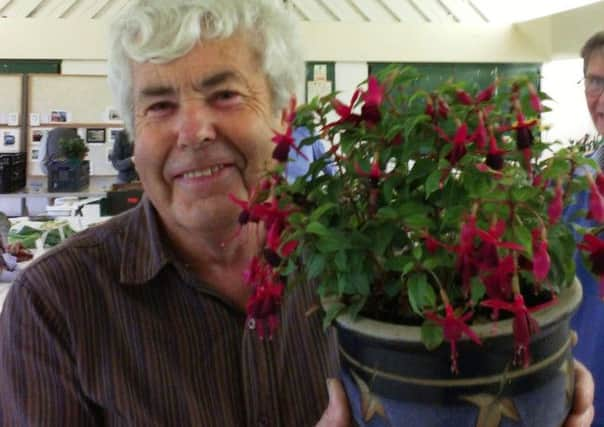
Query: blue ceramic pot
x=392, y=380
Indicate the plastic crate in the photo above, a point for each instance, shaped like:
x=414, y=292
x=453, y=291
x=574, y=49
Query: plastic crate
x=66, y=176
x=12, y=172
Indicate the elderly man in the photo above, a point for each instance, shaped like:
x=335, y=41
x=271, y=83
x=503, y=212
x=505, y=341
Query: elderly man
x=589, y=319
x=141, y=321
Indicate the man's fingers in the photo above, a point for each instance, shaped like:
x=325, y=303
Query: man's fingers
x=582, y=412
x=337, y=413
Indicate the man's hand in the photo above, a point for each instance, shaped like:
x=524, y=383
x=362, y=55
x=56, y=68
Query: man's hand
x=337, y=413
x=582, y=412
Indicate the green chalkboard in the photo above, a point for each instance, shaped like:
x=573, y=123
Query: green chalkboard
x=478, y=74
x=29, y=66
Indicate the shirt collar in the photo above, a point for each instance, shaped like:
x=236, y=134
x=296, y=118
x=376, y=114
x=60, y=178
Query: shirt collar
x=143, y=255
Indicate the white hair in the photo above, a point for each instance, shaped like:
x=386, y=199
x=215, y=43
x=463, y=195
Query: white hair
x=159, y=31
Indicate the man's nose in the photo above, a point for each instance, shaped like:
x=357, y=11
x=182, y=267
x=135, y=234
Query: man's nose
x=196, y=126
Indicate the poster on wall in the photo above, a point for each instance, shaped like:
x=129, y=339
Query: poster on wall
x=59, y=116
x=317, y=88
x=111, y=115
x=95, y=135
x=10, y=140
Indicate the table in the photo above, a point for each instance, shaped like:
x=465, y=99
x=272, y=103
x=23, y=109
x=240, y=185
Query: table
x=23, y=195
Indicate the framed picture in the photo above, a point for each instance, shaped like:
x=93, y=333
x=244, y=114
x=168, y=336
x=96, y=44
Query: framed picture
x=35, y=154
x=95, y=135
x=9, y=139
x=58, y=116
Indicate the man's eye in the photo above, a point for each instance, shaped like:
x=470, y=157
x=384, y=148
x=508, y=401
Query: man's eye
x=226, y=97
x=160, y=107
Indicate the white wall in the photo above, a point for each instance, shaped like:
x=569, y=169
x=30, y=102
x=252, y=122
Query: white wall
x=569, y=118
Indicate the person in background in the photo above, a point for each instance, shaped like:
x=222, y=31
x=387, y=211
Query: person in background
x=141, y=320
x=122, y=158
x=49, y=146
x=589, y=319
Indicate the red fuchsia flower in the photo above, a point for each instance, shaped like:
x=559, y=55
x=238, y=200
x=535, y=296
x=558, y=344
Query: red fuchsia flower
x=373, y=97
x=541, y=258
x=464, y=97
x=345, y=111
x=454, y=327
x=480, y=134
x=524, y=326
x=595, y=246
x=275, y=250
x=375, y=173
x=498, y=281
x=596, y=200
x=429, y=110
x=465, y=264
x=257, y=273
x=534, y=99
x=484, y=95
x=494, y=158
x=494, y=234
x=443, y=108
x=600, y=182
x=285, y=141
x=263, y=308
x=459, y=142
x=554, y=210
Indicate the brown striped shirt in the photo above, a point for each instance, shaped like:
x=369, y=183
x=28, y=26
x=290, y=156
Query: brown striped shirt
x=111, y=329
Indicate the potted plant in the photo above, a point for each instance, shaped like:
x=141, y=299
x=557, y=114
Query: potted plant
x=72, y=173
x=73, y=149
x=437, y=247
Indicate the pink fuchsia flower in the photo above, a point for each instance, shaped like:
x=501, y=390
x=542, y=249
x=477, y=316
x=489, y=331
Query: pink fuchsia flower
x=596, y=199
x=524, y=326
x=541, y=258
x=498, y=281
x=459, y=142
x=373, y=98
x=480, y=134
x=285, y=140
x=275, y=250
x=484, y=95
x=345, y=111
x=494, y=234
x=263, y=308
x=454, y=327
x=554, y=210
x=534, y=98
x=595, y=246
x=494, y=158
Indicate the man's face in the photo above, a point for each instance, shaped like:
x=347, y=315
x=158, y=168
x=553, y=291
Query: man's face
x=594, y=85
x=203, y=129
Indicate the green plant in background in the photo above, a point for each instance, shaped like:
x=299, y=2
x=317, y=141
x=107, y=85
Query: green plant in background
x=444, y=210
x=73, y=148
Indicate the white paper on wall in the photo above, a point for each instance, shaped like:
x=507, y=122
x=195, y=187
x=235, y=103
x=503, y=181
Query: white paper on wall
x=318, y=88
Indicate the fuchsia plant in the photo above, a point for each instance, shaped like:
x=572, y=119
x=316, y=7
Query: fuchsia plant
x=442, y=202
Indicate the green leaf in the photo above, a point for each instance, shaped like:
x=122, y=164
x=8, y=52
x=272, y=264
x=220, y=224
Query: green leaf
x=432, y=335
x=433, y=182
x=403, y=264
x=418, y=288
x=478, y=290
x=318, y=229
x=316, y=265
x=333, y=311
x=319, y=212
x=523, y=236
x=341, y=261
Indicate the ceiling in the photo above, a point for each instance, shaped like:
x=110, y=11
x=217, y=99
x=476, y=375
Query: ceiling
x=391, y=11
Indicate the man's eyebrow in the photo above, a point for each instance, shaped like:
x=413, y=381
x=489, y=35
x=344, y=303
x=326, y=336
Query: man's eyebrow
x=216, y=79
x=155, y=91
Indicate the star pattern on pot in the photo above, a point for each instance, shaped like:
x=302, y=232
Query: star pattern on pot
x=492, y=409
x=370, y=403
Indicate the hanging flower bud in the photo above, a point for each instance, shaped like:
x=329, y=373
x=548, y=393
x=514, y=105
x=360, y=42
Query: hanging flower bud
x=596, y=201
x=464, y=97
x=486, y=94
x=534, y=99
x=554, y=211
x=443, y=108
x=541, y=258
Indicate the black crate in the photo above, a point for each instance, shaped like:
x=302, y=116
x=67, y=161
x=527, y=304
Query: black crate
x=12, y=172
x=66, y=176
x=119, y=201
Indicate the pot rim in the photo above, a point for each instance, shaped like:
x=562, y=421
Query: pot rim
x=568, y=301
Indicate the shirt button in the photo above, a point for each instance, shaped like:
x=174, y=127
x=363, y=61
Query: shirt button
x=263, y=421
